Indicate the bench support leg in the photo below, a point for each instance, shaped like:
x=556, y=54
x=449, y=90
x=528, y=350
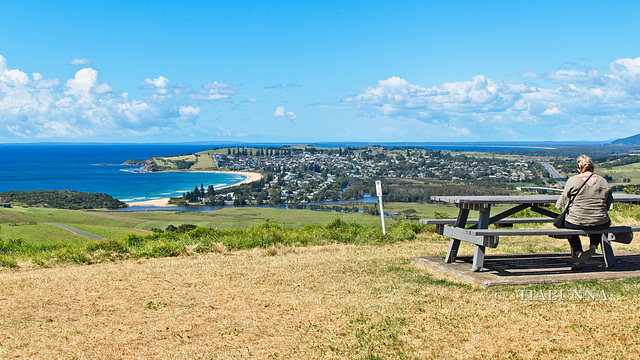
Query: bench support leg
x=478, y=258
x=454, y=244
x=607, y=251
x=452, y=253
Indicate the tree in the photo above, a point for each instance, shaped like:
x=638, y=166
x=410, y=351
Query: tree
x=407, y=214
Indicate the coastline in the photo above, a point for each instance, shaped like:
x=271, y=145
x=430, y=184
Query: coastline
x=164, y=202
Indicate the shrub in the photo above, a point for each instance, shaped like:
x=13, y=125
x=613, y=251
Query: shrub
x=12, y=246
x=133, y=239
x=183, y=228
x=117, y=246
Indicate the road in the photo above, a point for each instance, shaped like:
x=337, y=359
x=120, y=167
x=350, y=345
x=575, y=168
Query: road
x=555, y=174
x=79, y=232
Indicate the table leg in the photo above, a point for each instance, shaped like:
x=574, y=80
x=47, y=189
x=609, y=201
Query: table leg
x=454, y=244
x=478, y=258
x=607, y=251
x=483, y=218
x=478, y=253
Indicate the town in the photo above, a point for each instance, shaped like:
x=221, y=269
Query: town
x=297, y=176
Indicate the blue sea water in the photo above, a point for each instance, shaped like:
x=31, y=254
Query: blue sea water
x=99, y=169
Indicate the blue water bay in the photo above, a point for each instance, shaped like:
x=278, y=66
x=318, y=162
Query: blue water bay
x=98, y=168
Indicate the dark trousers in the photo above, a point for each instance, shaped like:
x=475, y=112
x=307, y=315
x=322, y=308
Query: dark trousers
x=594, y=239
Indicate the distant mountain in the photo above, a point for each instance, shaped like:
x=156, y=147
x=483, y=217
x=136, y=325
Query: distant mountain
x=631, y=140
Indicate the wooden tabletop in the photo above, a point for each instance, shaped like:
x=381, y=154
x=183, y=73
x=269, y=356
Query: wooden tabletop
x=522, y=199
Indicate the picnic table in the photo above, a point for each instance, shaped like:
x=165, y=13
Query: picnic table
x=479, y=235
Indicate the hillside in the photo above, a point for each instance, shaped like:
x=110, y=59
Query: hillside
x=631, y=140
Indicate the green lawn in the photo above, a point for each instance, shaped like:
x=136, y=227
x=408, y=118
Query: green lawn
x=114, y=225
x=630, y=171
x=39, y=234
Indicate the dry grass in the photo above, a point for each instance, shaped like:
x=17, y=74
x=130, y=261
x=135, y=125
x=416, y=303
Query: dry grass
x=336, y=301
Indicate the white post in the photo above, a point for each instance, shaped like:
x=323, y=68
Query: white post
x=379, y=193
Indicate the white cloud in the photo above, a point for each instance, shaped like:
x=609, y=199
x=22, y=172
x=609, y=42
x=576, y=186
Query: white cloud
x=627, y=72
x=281, y=113
x=552, y=111
x=82, y=61
x=291, y=87
x=509, y=109
x=161, y=86
x=215, y=91
x=158, y=83
x=572, y=76
x=188, y=112
x=82, y=84
x=84, y=106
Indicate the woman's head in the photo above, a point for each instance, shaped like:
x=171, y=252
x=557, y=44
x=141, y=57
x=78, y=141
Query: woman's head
x=585, y=163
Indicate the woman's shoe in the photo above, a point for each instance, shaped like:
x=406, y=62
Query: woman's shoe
x=577, y=266
x=586, y=255
x=575, y=256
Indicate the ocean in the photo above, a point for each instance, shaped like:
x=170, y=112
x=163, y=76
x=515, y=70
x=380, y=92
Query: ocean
x=99, y=169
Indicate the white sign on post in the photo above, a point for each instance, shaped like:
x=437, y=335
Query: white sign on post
x=378, y=188
x=379, y=194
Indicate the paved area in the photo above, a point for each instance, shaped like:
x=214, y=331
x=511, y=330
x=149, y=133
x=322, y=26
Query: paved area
x=524, y=269
x=79, y=232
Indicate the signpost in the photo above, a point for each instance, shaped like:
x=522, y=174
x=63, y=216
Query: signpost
x=379, y=193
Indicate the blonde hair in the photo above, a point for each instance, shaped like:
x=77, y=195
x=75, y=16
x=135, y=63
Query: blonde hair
x=585, y=163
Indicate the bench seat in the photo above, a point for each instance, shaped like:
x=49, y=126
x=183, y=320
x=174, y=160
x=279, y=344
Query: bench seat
x=491, y=237
x=506, y=222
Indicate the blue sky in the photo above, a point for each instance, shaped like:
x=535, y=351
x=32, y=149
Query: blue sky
x=308, y=71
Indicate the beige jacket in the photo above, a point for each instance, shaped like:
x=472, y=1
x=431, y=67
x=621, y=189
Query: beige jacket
x=590, y=207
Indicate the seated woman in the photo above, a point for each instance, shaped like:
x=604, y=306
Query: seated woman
x=588, y=210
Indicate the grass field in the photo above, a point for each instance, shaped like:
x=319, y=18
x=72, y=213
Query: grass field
x=334, y=301
x=631, y=171
x=202, y=160
x=113, y=224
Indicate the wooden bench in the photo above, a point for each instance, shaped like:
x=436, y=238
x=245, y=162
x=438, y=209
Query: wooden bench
x=506, y=222
x=491, y=237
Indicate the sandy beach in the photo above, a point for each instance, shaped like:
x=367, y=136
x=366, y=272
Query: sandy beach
x=251, y=177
